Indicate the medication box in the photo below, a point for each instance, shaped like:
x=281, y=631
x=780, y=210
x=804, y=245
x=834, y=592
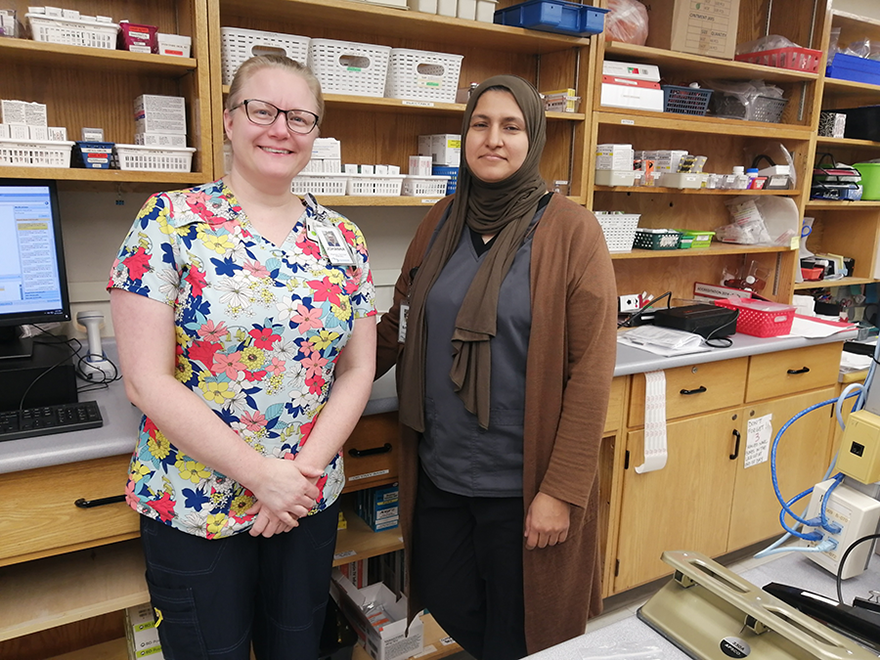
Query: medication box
x=630, y=85
x=391, y=640
x=378, y=506
x=141, y=633
x=177, y=45
x=160, y=114
x=160, y=139
x=138, y=38
x=444, y=148
x=614, y=157
x=694, y=26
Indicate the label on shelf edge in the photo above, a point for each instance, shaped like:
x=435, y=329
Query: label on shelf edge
x=628, y=122
x=421, y=104
x=367, y=475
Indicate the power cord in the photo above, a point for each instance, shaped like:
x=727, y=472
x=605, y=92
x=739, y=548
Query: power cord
x=843, y=563
x=627, y=322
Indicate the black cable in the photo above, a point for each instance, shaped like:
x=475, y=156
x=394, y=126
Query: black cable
x=843, y=562
x=627, y=323
x=725, y=342
x=57, y=342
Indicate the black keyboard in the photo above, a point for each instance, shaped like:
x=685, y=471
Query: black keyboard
x=60, y=418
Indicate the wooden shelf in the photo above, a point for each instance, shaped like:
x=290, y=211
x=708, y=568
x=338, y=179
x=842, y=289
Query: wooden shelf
x=824, y=204
x=105, y=176
x=638, y=190
x=668, y=121
x=700, y=67
x=714, y=250
x=846, y=142
x=46, y=593
x=845, y=88
x=358, y=541
x=39, y=53
x=827, y=284
x=411, y=25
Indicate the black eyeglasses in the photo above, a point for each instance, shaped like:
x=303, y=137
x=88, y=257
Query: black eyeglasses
x=263, y=113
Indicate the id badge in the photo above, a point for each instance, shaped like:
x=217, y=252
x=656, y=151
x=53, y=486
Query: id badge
x=401, y=325
x=333, y=245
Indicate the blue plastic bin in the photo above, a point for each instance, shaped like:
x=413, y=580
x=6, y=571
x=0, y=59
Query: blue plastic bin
x=554, y=16
x=857, y=69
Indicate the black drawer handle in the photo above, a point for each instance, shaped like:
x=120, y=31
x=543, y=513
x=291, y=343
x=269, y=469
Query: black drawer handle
x=701, y=388
x=83, y=503
x=803, y=370
x=360, y=453
x=735, y=453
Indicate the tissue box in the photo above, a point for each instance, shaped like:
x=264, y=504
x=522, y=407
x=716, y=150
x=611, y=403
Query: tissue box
x=393, y=640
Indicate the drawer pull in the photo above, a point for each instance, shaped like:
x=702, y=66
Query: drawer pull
x=83, y=503
x=735, y=453
x=794, y=372
x=701, y=388
x=360, y=453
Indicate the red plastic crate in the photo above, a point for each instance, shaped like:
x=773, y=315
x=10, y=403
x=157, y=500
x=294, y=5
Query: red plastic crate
x=760, y=318
x=793, y=57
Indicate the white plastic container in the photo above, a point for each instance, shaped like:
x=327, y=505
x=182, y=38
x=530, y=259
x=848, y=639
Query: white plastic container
x=387, y=185
x=35, y=154
x=486, y=11
x=425, y=186
x=424, y=6
x=153, y=159
x=73, y=32
x=615, y=177
x=467, y=9
x=238, y=45
x=447, y=7
x=347, y=67
x=422, y=75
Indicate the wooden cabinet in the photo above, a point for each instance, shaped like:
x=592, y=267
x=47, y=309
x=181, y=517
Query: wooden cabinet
x=705, y=499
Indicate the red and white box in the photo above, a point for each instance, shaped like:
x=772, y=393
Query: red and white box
x=138, y=38
x=631, y=85
x=177, y=45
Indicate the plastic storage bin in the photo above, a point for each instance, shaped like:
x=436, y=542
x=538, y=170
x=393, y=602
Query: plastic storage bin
x=422, y=75
x=72, y=32
x=857, y=69
x=761, y=108
x=793, y=57
x=346, y=67
x=385, y=185
x=425, y=186
x=870, y=180
x=554, y=16
x=238, y=45
x=35, y=153
x=153, y=159
x=760, y=318
x=93, y=155
x=449, y=171
x=619, y=229
x=686, y=100
x=657, y=239
x=319, y=184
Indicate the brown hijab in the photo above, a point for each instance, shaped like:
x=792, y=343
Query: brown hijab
x=505, y=208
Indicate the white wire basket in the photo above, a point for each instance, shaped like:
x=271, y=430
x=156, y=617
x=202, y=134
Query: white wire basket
x=422, y=75
x=152, y=159
x=346, y=67
x=619, y=229
x=35, y=153
x=73, y=32
x=425, y=186
x=385, y=185
x=319, y=183
x=238, y=45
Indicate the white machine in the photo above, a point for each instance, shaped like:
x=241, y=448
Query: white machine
x=95, y=366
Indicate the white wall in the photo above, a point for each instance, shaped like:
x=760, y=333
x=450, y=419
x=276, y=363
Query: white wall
x=95, y=223
x=866, y=8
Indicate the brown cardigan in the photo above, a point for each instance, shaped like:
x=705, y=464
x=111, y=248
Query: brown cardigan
x=569, y=368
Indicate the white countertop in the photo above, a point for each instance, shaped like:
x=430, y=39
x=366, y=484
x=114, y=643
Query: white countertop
x=117, y=435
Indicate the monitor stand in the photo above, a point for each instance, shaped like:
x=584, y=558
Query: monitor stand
x=12, y=346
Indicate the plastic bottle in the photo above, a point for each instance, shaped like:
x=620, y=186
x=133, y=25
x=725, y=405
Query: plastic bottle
x=740, y=180
x=752, y=174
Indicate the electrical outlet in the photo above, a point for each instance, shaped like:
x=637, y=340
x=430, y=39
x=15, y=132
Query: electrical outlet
x=857, y=514
x=628, y=303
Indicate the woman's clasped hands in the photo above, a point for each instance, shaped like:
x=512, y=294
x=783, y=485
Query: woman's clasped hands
x=286, y=491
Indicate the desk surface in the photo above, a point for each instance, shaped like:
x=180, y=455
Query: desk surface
x=623, y=638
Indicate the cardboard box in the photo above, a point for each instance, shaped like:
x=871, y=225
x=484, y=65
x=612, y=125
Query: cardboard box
x=12, y=112
x=694, y=26
x=141, y=633
x=160, y=114
x=614, y=156
x=631, y=93
x=444, y=148
x=393, y=640
x=379, y=506
x=634, y=70
x=160, y=139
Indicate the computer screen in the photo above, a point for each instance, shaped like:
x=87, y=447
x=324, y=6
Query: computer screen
x=33, y=282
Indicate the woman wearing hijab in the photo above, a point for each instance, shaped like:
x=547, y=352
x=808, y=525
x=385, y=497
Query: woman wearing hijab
x=503, y=332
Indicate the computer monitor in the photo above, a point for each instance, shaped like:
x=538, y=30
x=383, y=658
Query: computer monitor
x=33, y=282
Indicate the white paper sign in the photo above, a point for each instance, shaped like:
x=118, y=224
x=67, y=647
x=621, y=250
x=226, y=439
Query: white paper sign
x=758, y=437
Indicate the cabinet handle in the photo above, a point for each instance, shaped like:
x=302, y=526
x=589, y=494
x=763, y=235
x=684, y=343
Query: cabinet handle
x=735, y=453
x=83, y=503
x=802, y=370
x=360, y=453
x=701, y=388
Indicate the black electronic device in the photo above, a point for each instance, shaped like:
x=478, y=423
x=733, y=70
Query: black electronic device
x=33, y=281
x=709, y=321
x=31, y=422
x=47, y=377
x=860, y=623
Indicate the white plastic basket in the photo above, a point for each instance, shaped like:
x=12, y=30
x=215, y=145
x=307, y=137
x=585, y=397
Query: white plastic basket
x=422, y=75
x=238, y=45
x=425, y=186
x=346, y=67
x=319, y=184
x=385, y=185
x=73, y=32
x=619, y=229
x=35, y=153
x=153, y=159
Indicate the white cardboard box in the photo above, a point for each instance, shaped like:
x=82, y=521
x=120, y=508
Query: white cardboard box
x=160, y=139
x=393, y=641
x=160, y=114
x=141, y=633
x=631, y=93
x=12, y=112
x=173, y=44
x=444, y=148
x=649, y=72
x=614, y=156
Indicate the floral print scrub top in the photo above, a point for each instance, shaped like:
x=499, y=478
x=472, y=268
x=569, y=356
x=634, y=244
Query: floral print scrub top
x=259, y=328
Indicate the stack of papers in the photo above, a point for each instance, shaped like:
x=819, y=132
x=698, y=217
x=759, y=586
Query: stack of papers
x=663, y=341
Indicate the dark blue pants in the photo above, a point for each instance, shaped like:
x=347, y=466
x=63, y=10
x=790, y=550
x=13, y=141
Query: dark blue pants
x=217, y=596
x=468, y=569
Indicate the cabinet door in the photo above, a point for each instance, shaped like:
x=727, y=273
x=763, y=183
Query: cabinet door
x=801, y=463
x=681, y=506
x=797, y=370
x=370, y=453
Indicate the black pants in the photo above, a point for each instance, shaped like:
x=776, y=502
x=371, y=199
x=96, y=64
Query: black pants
x=468, y=569
x=216, y=596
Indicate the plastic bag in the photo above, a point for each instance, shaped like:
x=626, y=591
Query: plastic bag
x=746, y=226
x=621, y=650
x=770, y=42
x=627, y=22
